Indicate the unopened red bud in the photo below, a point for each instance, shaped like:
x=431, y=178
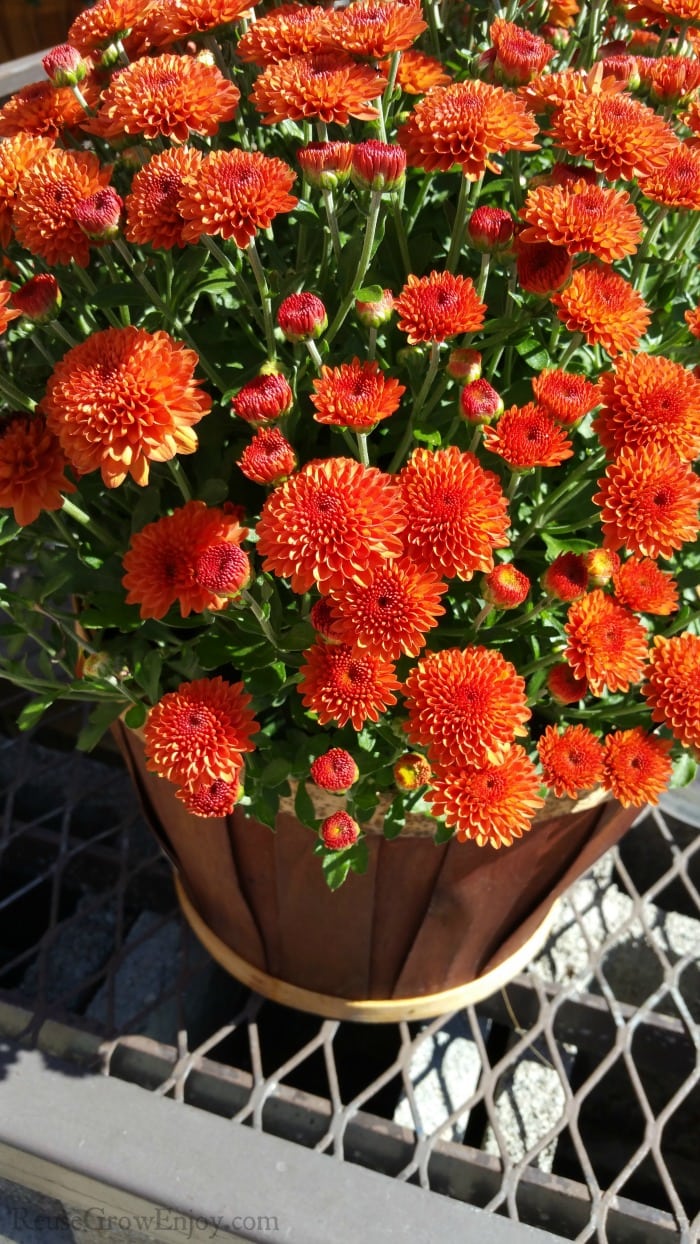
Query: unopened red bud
x=464, y=365
x=216, y=800
x=505, y=587
x=326, y=165
x=411, y=771
x=479, y=402
x=567, y=577
x=100, y=214
x=377, y=312
x=564, y=686
x=302, y=317
x=490, y=229
x=377, y=165
x=269, y=458
x=64, y=65
x=339, y=831
x=601, y=565
x=335, y=771
x=223, y=568
x=322, y=618
x=39, y=298
x=263, y=399
x=558, y=36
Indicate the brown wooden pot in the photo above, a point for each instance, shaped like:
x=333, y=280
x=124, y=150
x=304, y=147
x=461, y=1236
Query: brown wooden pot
x=427, y=928
x=28, y=26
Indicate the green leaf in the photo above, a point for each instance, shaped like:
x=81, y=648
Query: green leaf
x=214, y=491
x=442, y=833
x=276, y=772
x=554, y=547
x=684, y=771
x=369, y=293
x=147, y=675
x=336, y=866
x=359, y=856
x=99, y=721
x=297, y=638
x=395, y=818
x=34, y=711
x=136, y=716
x=303, y=807
x=108, y=609
x=432, y=439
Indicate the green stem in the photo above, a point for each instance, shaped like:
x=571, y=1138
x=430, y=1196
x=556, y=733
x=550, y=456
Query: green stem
x=258, y=615
x=570, y=350
x=329, y=204
x=420, y=199
x=14, y=395
x=175, y=468
x=82, y=100
x=397, y=217
x=226, y=262
x=362, y=448
x=648, y=240
x=481, y=616
x=61, y=332
x=89, y=285
x=542, y=663
x=79, y=516
x=314, y=352
x=407, y=437
x=559, y=497
x=362, y=264
x=513, y=485
x=483, y=275
x=468, y=192
x=265, y=299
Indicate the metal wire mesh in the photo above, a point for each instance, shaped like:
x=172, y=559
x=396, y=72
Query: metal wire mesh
x=570, y=1100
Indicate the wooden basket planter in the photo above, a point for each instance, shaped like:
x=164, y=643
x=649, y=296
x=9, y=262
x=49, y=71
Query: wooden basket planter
x=28, y=26
x=427, y=928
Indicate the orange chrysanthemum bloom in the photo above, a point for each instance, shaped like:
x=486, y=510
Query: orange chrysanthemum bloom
x=519, y=54
x=16, y=156
x=567, y=396
x=196, y=735
x=165, y=97
x=562, y=13
x=49, y=192
x=571, y=761
x=566, y=578
x=7, y=313
x=456, y=512
x=465, y=705
x=235, y=194
x=672, y=687
x=548, y=91
x=31, y=468
x=290, y=30
x=607, y=644
x=649, y=400
x=644, y=587
x=541, y=267
x=664, y=12
x=356, y=395
x=374, y=28
x=603, y=306
x=637, y=766
x=649, y=502
x=671, y=78
x=124, y=398
x=528, y=436
x=170, y=20
x=620, y=136
x=192, y=557
x=692, y=319
x=106, y=21
x=418, y=72
x=342, y=685
x=438, y=306
x=489, y=803
x=563, y=685
x=327, y=85
x=391, y=614
x=332, y=521
x=152, y=208
x=581, y=217
x=677, y=184
x=44, y=110
x=464, y=124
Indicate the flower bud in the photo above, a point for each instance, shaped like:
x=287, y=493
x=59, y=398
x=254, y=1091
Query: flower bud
x=100, y=214
x=39, y=298
x=379, y=311
x=377, y=165
x=464, y=364
x=263, y=399
x=269, y=458
x=567, y=577
x=216, y=800
x=326, y=165
x=64, y=65
x=335, y=771
x=479, y=402
x=302, y=317
x=223, y=568
x=321, y=617
x=601, y=565
x=558, y=36
x=412, y=771
x=490, y=229
x=339, y=831
x=97, y=665
x=505, y=587
x=564, y=686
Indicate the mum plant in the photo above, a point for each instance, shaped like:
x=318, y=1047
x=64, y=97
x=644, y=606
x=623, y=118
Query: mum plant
x=349, y=412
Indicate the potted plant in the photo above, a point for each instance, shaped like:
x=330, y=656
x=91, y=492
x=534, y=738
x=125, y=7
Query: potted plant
x=347, y=458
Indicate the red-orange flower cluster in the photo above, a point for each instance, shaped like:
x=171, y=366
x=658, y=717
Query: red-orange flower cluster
x=649, y=502
x=341, y=685
x=571, y=761
x=31, y=468
x=672, y=687
x=438, y=306
x=392, y=612
x=607, y=644
x=649, y=400
x=195, y=736
x=464, y=124
x=356, y=395
x=490, y=803
x=235, y=193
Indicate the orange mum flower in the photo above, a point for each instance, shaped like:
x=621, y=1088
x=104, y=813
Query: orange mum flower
x=542, y=268
x=269, y=458
x=456, y=512
x=192, y=557
x=571, y=761
x=43, y=109
x=152, y=209
x=235, y=194
x=672, y=689
x=392, y=612
x=568, y=397
x=563, y=685
x=664, y=12
x=341, y=685
x=216, y=800
x=106, y=21
x=326, y=85
x=562, y=13
x=677, y=183
x=519, y=54
x=582, y=217
x=643, y=587
x=7, y=314
x=464, y=124
x=649, y=400
x=170, y=20
x=332, y=521
x=692, y=319
x=603, y=306
x=505, y=587
x=548, y=91
x=374, y=28
x=166, y=96
x=490, y=804
x=195, y=736
x=620, y=136
x=528, y=436
x=124, y=398
x=637, y=766
x=465, y=706
x=607, y=644
x=671, y=78
x=49, y=192
x=290, y=30
x=355, y=395
x=649, y=502
x=566, y=578
x=418, y=72
x=438, y=306
x=16, y=156
x=31, y=468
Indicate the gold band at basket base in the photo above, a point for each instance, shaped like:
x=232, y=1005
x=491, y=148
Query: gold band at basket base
x=381, y=1011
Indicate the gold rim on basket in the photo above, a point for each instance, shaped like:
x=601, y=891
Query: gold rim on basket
x=380, y=1011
